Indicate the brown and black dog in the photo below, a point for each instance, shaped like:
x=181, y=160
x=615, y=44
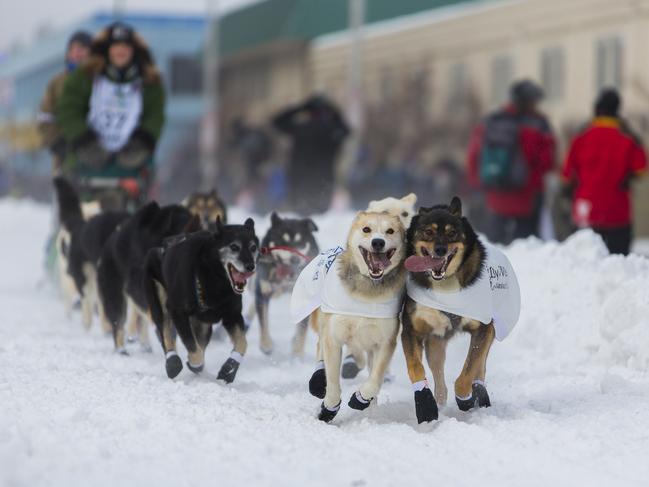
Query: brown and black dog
x=208, y=207
x=445, y=255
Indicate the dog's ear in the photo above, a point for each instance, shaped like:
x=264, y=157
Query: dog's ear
x=410, y=199
x=148, y=212
x=275, y=219
x=310, y=225
x=372, y=204
x=455, y=208
x=214, y=193
x=249, y=224
x=218, y=225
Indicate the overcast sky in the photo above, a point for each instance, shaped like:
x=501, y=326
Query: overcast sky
x=21, y=19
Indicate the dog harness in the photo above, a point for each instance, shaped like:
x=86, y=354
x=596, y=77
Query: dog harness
x=319, y=286
x=495, y=296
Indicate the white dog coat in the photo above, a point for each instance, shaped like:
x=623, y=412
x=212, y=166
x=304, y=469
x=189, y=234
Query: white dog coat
x=320, y=286
x=496, y=295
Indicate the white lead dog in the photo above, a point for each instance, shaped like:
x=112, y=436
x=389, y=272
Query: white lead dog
x=353, y=297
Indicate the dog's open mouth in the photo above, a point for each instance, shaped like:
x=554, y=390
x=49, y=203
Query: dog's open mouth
x=238, y=279
x=435, y=266
x=377, y=262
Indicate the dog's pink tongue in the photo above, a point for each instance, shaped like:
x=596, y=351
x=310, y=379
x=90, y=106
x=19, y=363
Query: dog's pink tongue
x=417, y=263
x=379, y=261
x=241, y=277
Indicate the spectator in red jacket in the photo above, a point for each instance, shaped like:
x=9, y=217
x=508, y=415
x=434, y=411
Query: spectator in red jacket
x=514, y=205
x=601, y=162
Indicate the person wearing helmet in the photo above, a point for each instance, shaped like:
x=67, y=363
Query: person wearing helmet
x=112, y=107
x=77, y=51
x=509, y=154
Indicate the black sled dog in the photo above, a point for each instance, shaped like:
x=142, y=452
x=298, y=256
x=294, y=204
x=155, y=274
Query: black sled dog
x=197, y=280
x=456, y=283
x=84, y=246
x=121, y=267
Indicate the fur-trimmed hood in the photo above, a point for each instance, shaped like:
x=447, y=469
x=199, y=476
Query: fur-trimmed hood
x=98, y=59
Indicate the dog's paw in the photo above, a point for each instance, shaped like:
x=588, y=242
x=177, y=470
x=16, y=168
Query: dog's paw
x=131, y=339
x=479, y=398
x=441, y=395
x=425, y=406
x=122, y=351
x=481, y=395
x=173, y=365
x=228, y=371
x=350, y=368
x=358, y=402
x=389, y=378
x=318, y=384
x=326, y=414
x=196, y=369
x=266, y=348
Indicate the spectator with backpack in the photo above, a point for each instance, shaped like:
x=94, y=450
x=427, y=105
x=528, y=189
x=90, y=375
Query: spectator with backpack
x=509, y=154
x=601, y=163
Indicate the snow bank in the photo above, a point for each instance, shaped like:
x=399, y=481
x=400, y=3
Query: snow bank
x=582, y=304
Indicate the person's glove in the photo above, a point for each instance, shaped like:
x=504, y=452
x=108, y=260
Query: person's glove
x=58, y=148
x=137, y=150
x=89, y=151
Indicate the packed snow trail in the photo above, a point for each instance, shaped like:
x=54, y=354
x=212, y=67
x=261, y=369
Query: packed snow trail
x=569, y=388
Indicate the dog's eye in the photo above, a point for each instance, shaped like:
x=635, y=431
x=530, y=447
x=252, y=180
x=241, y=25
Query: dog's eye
x=367, y=229
x=451, y=234
x=404, y=214
x=253, y=248
x=389, y=231
x=234, y=247
x=428, y=232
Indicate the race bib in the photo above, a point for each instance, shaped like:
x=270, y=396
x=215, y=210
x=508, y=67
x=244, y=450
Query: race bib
x=115, y=110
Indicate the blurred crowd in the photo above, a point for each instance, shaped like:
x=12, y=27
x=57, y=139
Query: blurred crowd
x=103, y=114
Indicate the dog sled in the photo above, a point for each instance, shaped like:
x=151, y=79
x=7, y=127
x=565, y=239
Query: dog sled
x=114, y=186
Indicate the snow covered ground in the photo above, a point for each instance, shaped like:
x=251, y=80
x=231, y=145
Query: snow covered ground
x=569, y=388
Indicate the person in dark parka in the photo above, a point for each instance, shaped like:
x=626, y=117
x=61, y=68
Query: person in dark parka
x=112, y=106
x=317, y=130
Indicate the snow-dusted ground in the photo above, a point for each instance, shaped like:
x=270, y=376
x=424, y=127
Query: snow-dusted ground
x=569, y=388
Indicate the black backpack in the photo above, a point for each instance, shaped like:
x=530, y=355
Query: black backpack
x=502, y=164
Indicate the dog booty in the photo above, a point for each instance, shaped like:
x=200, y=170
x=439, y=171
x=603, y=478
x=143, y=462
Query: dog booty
x=326, y=414
x=318, y=382
x=350, y=369
x=173, y=365
x=228, y=370
x=358, y=402
x=425, y=406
